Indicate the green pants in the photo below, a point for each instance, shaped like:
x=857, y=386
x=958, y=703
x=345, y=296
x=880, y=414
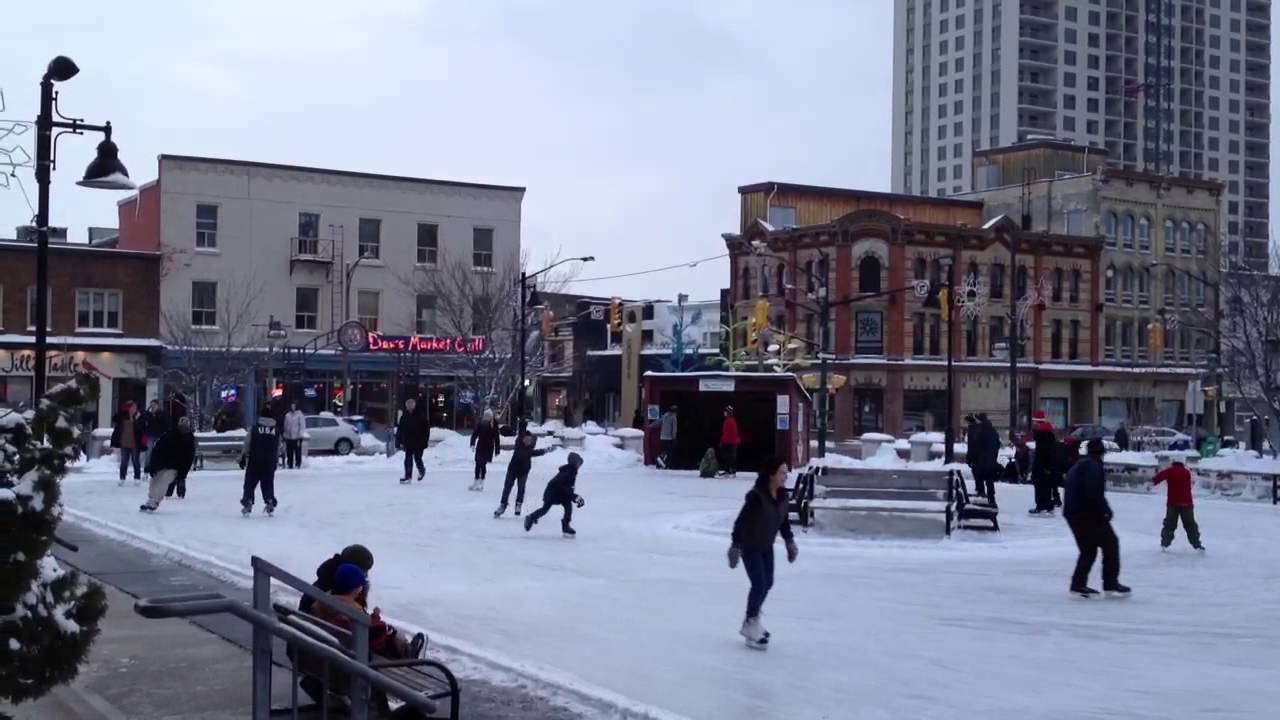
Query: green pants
x=1188, y=517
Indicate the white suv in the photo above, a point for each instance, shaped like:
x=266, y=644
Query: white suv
x=328, y=433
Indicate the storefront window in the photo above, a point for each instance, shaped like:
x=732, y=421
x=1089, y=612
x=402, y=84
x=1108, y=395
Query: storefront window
x=1055, y=409
x=15, y=392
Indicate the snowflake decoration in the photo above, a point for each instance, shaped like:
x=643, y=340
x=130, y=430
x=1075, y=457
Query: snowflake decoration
x=1172, y=322
x=972, y=298
x=1037, y=294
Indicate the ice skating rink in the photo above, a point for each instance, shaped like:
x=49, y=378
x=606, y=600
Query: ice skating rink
x=642, y=610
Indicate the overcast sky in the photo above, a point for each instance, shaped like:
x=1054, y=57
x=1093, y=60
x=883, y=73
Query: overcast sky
x=630, y=123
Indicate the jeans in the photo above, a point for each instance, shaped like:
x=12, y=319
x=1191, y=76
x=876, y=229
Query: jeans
x=1187, y=515
x=251, y=483
x=481, y=467
x=519, y=480
x=293, y=453
x=759, y=567
x=536, y=515
x=411, y=458
x=1093, y=533
x=127, y=455
x=729, y=459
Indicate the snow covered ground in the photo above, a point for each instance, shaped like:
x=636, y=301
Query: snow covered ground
x=642, y=610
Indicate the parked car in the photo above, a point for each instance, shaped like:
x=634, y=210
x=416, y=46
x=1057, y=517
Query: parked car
x=328, y=433
x=1085, y=433
x=1159, y=438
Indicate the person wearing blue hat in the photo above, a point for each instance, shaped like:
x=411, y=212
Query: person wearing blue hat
x=351, y=589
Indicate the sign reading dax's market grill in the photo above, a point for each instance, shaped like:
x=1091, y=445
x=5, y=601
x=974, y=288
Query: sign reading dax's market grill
x=435, y=344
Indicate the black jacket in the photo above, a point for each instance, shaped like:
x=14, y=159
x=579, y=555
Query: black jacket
x=522, y=457
x=1086, y=491
x=263, y=444
x=1122, y=439
x=984, y=448
x=414, y=431
x=1045, y=461
x=485, y=441
x=324, y=580
x=761, y=519
x=175, y=450
x=561, y=488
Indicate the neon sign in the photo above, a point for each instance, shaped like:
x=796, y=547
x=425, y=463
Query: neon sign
x=434, y=344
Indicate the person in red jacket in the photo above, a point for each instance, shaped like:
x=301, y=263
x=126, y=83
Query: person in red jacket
x=1177, y=478
x=729, y=442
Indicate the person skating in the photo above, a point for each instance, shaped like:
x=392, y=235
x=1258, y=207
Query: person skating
x=152, y=423
x=560, y=491
x=357, y=555
x=295, y=426
x=1044, y=464
x=729, y=441
x=1088, y=514
x=668, y=426
x=1180, y=506
x=987, y=457
x=522, y=456
x=708, y=468
x=762, y=517
x=170, y=460
x=127, y=439
x=485, y=441
x=413, y=432
x=260, y=459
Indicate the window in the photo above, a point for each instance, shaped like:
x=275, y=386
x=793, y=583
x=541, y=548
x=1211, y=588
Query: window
x=308, y=233
x=97, y=310
x=1055, y=340
x=1184, y=238
x=935, y=272
x=1110, y=286
x=425, y=315
x=1109, y=339
x=869, y=275
x=367, y=302
x=1109, y=229
x=1141, y=333
x=1170, y=286
x=1074, y=296
x=764, y=285
x=917, y=333
x=206, y=227
x=918, y=269
x=935, y=334
x=480, y=315
x=204, y=304
x=1020, y=282
x=1201, y=239
x=781, y=216
x=746, y=283
x=996, y=334
x=1126, y=232
x=1170, y=238
x=482, y=248
x=1144, y=287
x=31, y=309
x=370, y=238
x=428, y=243
x=1059, y=278
x=997, y=281
x=1144, y=234
x=782, y=279
x=1126, y=286
x=1068, y=79
x=306, y=308
x=1073, y=341
x=973, y=273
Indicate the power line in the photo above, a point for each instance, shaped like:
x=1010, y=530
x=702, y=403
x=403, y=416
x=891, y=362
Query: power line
x=690, y=264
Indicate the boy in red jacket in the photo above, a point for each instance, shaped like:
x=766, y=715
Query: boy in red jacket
x=1178, y=479
x=729, y=442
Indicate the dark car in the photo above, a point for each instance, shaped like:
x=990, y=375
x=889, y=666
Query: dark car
x=1085, y=433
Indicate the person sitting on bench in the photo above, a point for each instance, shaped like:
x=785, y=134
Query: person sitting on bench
x=358, y=555
x=351, y=588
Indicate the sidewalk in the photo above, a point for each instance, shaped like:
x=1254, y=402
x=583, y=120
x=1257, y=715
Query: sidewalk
x=196, y=669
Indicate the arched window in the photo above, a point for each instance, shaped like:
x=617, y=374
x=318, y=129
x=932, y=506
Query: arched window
x=1170, y=238
x=1184, y=291
x=1144, y=234
x=1126, y=286
x=1126, y=232
x=1059, y=277
x=808, y=274
x=1110, y=285
x=997, y=281
x=869, y=275
x=935, y=272
x=1020, y=282
x=764, y=279
x=918, y=269
x=782, y=279
x=1144, y=287
x=1170, y=288
x=973, y=271
x=1074, y=297
x=1109, y=228
x=746, y=283
x=1184, y=238
x=1202, y=239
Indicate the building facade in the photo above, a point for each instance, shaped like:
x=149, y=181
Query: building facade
x=245, y=243
x=103, y=310
x=890, y=349
x=1166, y=87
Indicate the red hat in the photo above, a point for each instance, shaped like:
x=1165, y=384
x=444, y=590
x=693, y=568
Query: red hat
x=1039, y=415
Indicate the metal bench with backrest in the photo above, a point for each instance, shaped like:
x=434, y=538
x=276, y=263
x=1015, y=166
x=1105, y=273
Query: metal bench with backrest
x=221, y=448
x=800, y=498
x=969, y=510
x=885, y=491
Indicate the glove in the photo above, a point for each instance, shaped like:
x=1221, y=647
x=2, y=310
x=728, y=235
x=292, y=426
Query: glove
x=734, y=556
x=792, y=551
x=243, y=461
x=577, y=500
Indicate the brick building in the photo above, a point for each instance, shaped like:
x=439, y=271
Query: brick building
x=103, y=317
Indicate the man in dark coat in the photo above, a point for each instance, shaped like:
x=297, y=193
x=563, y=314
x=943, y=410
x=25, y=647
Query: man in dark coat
x=988, y=457
x=1089, y=515
x=522, y=456
x=1044, y=464
x=485, y=440
x=412, y=435
x=261, y=456
x=170, y=460
x=560, y=491
x=1122, y=438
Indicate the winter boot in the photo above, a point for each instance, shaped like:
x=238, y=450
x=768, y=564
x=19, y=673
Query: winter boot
x=421, y=474
x=147, y=507
x=518, y=509
x=1117, y=591
x=568, y=531
x=1084, y=592
x=502, y=508
x=246, y=508
x=528, y=523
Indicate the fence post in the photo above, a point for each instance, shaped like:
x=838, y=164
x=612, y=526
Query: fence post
x=261, y=647
x=359, y=688
x=951, y=494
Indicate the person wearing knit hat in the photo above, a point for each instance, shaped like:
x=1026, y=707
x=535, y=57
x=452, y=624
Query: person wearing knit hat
x=1045, y=468
x=357, y=555
x=560, y=491
x=350, y=590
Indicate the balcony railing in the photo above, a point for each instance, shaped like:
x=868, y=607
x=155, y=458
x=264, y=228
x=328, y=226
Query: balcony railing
x=311, y=249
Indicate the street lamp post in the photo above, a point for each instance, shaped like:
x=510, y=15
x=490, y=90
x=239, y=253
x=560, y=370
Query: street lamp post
x=106, y=172
x=528, y=300
x=348, y=272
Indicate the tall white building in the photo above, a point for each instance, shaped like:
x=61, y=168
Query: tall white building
x=1119, y=74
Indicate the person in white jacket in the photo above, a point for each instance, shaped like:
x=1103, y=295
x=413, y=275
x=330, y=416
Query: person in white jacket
x=294, y=427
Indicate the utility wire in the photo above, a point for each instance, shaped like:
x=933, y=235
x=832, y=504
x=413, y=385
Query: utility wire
x=690, y=264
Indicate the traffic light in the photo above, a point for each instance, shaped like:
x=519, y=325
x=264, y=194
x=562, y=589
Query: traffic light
x=1155, y=336
x=615, y=314
x=547, y=318
x=759, y=322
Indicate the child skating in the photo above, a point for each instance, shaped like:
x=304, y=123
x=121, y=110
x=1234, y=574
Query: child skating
x=1181, y=506
x=560, y=491
x=262, y=446
x=762, y=518
x=522, y=456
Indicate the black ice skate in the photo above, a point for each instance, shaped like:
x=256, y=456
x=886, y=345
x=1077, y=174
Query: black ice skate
x=269, y=507
x=246, y=508
x=517, y=509
x=1117, y=591
x=405, y=481
x=421, y=474
x=502, y=508
x=147, y=507
x=528, y=523
x=1085, y=592
x=569, y=532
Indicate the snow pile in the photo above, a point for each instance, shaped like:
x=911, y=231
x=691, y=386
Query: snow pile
x=601, y=441
x=550, y=426
x=1240, y=461
x=932, y=437
x=627, y=433
x=877, y=437
x=570, y=434
x=1131, y=457
x=370, y=445
x=591, y=428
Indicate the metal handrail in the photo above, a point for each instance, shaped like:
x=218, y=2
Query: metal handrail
x=195, y=604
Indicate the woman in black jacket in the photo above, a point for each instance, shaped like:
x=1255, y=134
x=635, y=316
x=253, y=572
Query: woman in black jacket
x=763, y=516
x=522, y=456
x=485, y=440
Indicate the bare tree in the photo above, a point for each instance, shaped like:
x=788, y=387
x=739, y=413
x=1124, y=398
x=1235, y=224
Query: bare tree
x=210, y=357
x=1250, y=336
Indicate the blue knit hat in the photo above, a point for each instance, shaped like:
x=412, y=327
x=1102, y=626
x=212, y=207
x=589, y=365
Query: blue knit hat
x=347, y=578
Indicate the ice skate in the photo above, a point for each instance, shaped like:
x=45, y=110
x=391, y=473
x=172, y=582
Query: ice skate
x=405, y=481
x=569, y=532
x=753, y=634
x=145, y=507
x=528, y=523
x=502, y=508
x=421, y=474
x=761, y=644
x=246, y=508
x=1200, y=549
x=476, y=486
x=269, y=507
x=518, y=509
x=1118, y=591
x=121, y=483
x=1084, y=593
x=661, y=462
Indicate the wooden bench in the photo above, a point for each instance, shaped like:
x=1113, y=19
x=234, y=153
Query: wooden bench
x=428, y=677
x=886, y=491
x=221, y=448
x=968, y=510
x=800, y=498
